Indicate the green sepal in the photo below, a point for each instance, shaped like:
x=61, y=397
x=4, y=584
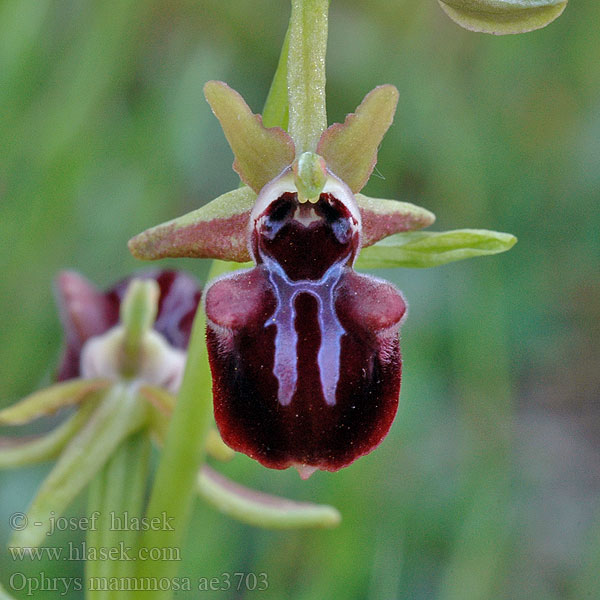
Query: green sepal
x=20, y=451
x=119, y=414
x=382, y=218
x=260, y=153
x=259, y=509
x=420, y=249
x=216, y=230
x=49, y=400
x=350, y=148
x=502, y=17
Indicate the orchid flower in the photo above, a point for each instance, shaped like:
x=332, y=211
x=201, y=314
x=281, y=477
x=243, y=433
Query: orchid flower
x=304, y=351
x=124, y=348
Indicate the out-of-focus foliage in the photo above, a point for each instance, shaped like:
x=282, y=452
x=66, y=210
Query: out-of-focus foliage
x=487, y=488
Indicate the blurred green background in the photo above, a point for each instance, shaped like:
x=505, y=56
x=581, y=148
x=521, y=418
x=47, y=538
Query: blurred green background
x=488, y=484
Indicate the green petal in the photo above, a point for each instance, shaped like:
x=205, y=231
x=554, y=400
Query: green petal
x=260, y=509
x=19, y=451
x=216, y=230
x=430, y=248
x=119, y=414
x=260, y=153
x=382, y=218
x=350, y=148
x=49, y=400
x=306, y=73
x=501, y=17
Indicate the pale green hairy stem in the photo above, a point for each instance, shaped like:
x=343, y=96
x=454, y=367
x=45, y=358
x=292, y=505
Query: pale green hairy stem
x=95, y=536
x=174, y=487
x=306, y=73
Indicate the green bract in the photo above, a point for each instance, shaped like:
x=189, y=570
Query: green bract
x=501, y=17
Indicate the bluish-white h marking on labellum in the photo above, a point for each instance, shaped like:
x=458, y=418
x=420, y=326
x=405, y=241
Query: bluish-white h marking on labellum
x=286, y=338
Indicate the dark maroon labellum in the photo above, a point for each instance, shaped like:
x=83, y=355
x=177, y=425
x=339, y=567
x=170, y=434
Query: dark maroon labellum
x=304, y=352
x=86, y=312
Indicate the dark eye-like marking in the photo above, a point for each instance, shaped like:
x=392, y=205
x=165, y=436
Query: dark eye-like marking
x=281, y=211
x=336, y=217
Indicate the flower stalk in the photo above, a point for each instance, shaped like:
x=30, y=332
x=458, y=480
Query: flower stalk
x=117, y=490
x=306, y=73
x=174, y=487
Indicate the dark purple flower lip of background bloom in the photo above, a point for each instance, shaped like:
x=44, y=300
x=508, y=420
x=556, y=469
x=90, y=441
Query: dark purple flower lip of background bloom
x=304, y=352
x=87, y=312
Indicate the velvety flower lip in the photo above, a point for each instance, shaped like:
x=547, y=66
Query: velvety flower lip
x=87, y=312
x=305, y=430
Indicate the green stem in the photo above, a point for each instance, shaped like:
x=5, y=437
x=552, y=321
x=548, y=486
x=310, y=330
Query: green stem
x=117, y=498
x=306, y=73
x=175, y=484
x=276, y=109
